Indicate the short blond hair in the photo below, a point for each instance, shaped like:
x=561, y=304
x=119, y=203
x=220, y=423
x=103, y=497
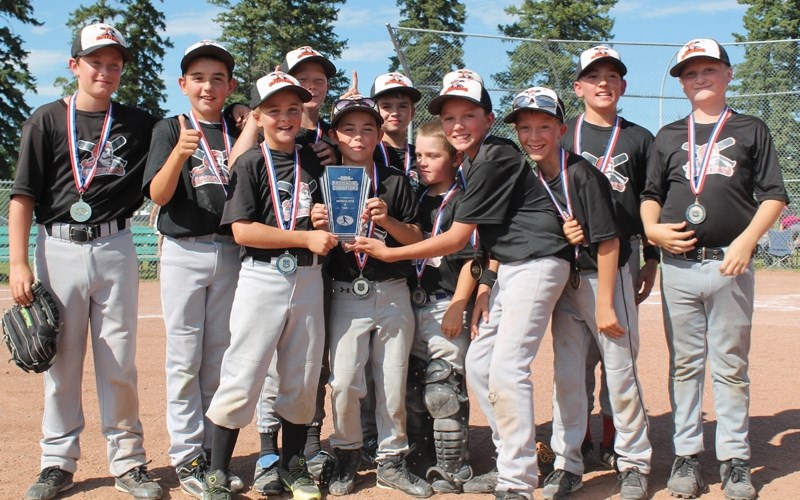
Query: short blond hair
x=434, y=130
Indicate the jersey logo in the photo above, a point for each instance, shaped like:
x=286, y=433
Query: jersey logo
x=617, y=180
x=202, y=174
x=718, y=164
x=305, y=202
x=413, y=178
x=109, y=163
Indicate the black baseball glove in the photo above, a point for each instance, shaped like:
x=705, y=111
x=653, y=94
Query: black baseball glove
x=30, y=332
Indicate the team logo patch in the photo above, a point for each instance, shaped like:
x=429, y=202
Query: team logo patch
x=717, y=164
x=109, y=163
x=203, y=174
x=617, y=180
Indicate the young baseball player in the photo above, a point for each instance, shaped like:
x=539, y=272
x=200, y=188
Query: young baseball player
x=597, y=306
x=187, y=176
x=80, y=170
x=505, y=200
x=313, y=72
x=714, y=187
x=618, y=148
x=274, y=185
x=442, y=290
x=395, y=96
x=371, y=319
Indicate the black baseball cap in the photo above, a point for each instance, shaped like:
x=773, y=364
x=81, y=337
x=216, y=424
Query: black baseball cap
x=353, y=103
x=536, y=99
x=97, y=36
x=208, y=48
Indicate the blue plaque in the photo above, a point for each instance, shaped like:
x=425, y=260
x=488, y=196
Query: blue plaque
x=345, y=190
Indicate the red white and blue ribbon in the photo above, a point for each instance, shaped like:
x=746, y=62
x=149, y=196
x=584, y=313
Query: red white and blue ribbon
x=212, y=161
x=361, y=258
x=407, y=161
x=273, y=187
x=697, y=175
x=82, y=183
x=564, y=212
x=612, y=142
x=437, y=225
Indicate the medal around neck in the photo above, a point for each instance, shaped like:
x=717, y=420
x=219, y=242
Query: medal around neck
x=696, y=213
x=419, y=296
x=345, y=191
x=286, y=264
x=80, y=211
x=575, y=276
x=476, y=269
x=361, y=287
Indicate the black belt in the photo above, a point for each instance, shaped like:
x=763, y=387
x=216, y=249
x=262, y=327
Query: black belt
x=303, y=258
x=83, y=233
x=699, y=254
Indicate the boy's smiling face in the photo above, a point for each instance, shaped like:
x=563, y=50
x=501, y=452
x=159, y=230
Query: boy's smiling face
x=600, y=86
x=207, y=85
x=357, y=134
x=539, y=134
x=705, y=80
x=279, y=117
x=465, y=124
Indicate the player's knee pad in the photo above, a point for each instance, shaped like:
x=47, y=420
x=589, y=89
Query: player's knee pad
x=444, y=393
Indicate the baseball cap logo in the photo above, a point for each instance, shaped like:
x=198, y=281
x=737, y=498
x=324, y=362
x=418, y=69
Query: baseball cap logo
x=456, y=86
x=599, y=52
x=692, y=47
x=395, y=79
x=306, y=51
x=108, y=33
x=465, y=74
x=279, y=77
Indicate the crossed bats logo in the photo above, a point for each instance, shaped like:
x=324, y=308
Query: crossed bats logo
x=717, y=164
x=617, y=180
x=109, y=163
x=692, y=47
x=202, y=174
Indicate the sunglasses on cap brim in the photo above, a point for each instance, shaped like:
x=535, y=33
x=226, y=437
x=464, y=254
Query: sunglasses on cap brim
x=362, y=102
x=538, y=101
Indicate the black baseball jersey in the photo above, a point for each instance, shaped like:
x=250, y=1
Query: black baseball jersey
x=196, y=207
x=44, y=170
x=743, y=172
x=395, y=189
x=593, y=208
x=441, y=273
x=515, y=216
x=397, y=158
x=310, y=136
x=251, y=194
x=627, y=169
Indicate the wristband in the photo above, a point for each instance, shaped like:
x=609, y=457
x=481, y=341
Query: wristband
x=651, y=253
x=489, y=277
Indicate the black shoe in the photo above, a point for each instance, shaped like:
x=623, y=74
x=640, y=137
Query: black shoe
x=51, y=482
x=394, y=475
x=685, y=480
x=344, y=478
x=138, y=483
x=508, y=495
x=484, y=483
x=736, y=481
x=560, y=483
x=217, y=487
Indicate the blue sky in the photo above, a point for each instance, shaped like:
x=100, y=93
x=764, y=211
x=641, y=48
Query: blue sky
x=362, y=23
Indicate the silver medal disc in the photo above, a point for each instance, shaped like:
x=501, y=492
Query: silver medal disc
x=80, y=211
x=361, y=287
x=476, y=269
x=419, y=296
x=286, y=264
x=696, y=213
x=575, y=279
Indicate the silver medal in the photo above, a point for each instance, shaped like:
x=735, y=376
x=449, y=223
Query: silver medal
x=419, y=296
x=696, y=213
x=80, y=211
x=286, y=264
x=476, y=269
x=361, y=287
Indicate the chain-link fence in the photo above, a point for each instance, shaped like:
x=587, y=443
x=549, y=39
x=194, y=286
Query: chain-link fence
x=652, y=97
x=144, y=237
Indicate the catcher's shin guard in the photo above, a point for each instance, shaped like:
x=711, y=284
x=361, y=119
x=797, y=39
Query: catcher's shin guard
x=446, y=400
x=419, y=424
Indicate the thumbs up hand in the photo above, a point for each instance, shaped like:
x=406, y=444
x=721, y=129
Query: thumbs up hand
x=189, y=139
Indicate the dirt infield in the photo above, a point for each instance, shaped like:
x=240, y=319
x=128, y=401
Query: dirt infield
x=775, y=410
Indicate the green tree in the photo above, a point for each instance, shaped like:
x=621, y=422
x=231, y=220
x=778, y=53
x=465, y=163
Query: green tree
x=772, y=68
x=545, y=61
x=259, y=33
x=428, y=56
x=142, y=24
x=15, y=80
